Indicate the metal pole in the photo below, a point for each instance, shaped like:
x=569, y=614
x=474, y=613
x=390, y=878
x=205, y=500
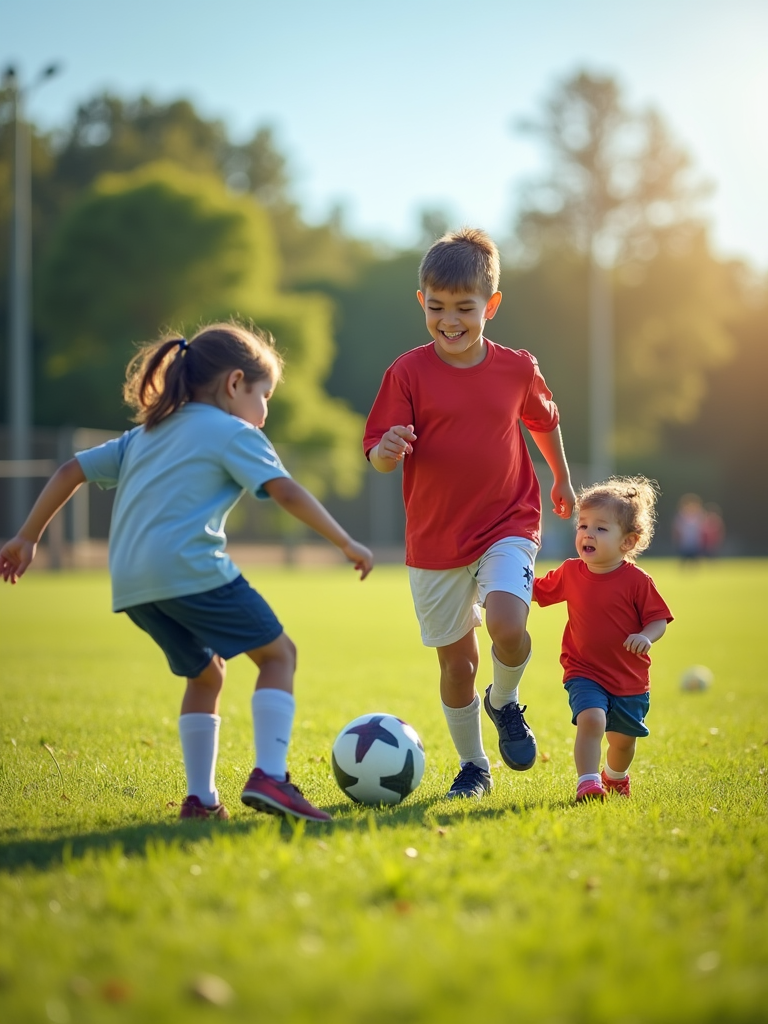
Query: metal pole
x=20, y=298
x=20, y=348
x=601, y=372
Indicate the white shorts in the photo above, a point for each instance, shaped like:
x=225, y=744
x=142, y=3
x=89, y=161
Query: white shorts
x=448, y=601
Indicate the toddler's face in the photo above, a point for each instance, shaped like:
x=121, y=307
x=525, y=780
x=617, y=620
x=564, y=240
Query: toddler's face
x=456, y=321
x=600, y=541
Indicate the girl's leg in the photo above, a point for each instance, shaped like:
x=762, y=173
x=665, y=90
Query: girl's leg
x=621, y=751
x=590, y=729
x=273, y=705
x=199, y=724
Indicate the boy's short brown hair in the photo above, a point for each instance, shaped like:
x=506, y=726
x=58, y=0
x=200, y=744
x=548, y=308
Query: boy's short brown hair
x=464, y=260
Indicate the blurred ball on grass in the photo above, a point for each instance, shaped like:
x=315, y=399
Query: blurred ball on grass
x=696, y=677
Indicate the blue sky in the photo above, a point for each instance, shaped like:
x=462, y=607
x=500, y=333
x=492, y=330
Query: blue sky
x=391, y=107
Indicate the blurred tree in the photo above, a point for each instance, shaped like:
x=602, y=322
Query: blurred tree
x=731, y=429
x=620, y=192
x=378, y=318
x=159, y=247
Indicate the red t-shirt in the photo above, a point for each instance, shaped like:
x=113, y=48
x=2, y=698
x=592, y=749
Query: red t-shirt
x=469, y=481
x=603, y=609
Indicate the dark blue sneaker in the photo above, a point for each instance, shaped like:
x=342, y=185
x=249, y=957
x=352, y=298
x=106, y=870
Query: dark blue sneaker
x=517, y=744
x=471, y=781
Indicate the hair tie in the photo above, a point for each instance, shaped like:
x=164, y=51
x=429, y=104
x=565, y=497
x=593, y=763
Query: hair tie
x=182, y=343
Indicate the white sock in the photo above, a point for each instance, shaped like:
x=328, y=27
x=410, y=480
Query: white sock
x=616, y=776
x=505, y=682
x=464, y=727
x=199, y=735
x=589, y=777
x=273, y=712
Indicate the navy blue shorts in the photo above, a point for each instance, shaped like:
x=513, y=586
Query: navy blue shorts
x=227, y=621
x=622, y=714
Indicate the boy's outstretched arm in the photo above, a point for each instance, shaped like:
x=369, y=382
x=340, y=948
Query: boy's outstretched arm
x=551, y=447
x=305, y=507
x=16, y=556
x=392, y=448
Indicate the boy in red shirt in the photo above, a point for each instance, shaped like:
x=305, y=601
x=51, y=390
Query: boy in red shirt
x=450, y=411
x=615, y=613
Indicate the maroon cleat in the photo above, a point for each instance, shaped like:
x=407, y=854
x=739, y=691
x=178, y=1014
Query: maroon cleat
x=619, y=786
x=193, y=807
x=263, y=793
x=590, y=790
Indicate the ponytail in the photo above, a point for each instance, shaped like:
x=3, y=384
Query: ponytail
x=166, y=374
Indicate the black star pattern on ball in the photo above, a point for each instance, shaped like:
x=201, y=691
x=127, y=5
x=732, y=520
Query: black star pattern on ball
x=368, y=733
x=401, y=783
x=344, y=779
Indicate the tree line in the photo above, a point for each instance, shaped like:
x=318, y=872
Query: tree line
x=147, y=216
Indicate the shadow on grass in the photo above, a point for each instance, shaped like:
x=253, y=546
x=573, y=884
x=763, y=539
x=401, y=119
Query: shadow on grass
x=138, y=840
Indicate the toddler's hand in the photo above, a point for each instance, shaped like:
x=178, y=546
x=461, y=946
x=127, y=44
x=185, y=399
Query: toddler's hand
x=396, y=443
x=637, y=643
x=15, y=558
x=360, y=556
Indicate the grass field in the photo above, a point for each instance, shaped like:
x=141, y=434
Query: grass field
x=520, y=908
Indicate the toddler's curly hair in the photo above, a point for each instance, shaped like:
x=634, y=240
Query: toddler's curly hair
x=632, y=500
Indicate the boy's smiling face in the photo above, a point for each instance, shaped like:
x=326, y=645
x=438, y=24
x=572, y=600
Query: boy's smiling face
x=456, y=321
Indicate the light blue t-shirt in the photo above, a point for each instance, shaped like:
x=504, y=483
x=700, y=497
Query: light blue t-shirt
x=176, y=485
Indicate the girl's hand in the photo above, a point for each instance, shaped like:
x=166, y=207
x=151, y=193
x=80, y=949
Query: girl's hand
x=637, y=643
x=360, y=556
x=15, y=558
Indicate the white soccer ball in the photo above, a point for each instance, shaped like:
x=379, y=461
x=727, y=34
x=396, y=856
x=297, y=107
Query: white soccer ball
x=378, y=759
x=696, y=677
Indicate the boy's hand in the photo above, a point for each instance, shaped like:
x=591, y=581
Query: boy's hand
x=637, y=643
x=396, y=443
x=360, y=556
x=15, y=558
x=563, y=498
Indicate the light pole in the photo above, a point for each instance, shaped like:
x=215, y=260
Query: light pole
x=601, y=371
x=19, y=307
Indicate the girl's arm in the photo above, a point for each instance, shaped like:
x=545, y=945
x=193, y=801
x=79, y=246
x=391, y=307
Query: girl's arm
x=640, y=643
x=550, y=445
x=303, y=506
x=16, y=556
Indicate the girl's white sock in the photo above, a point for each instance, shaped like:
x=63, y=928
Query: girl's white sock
x=199, y=735
x=273, y=712
x=505, y=682
x=616, y=776
x=589, y=777
x=464, y=727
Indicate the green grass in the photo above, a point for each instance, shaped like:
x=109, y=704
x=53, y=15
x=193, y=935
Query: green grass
x=520, y=908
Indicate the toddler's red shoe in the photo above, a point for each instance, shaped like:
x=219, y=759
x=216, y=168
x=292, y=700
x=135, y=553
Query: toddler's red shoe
x=620, y=786
x=590, y=790
x=264, y=793
x=193, y=807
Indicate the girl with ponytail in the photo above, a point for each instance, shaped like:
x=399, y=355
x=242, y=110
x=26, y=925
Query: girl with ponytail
x=200, y=406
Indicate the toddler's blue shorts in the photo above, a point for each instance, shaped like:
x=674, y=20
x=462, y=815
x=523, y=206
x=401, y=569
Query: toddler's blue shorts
x=622, y=714
x=226, y=621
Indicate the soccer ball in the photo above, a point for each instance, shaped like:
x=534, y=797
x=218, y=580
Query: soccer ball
x=378, y=759
x=697, y=677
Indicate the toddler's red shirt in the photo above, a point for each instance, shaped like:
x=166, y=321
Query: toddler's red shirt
x=603, y=609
